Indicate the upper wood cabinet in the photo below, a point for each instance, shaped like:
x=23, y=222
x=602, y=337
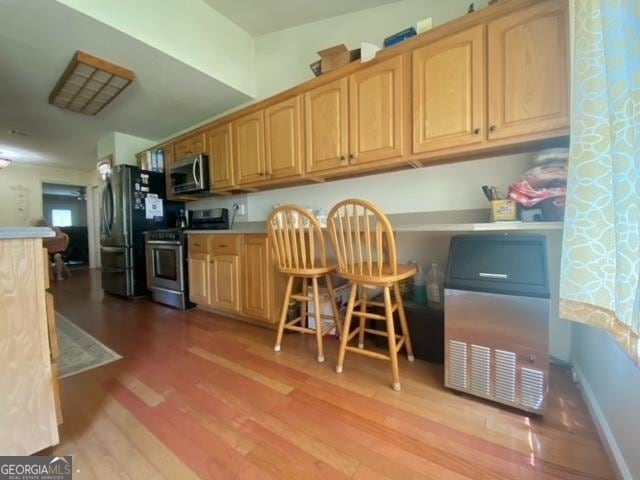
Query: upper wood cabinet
x=224, y=280
x=256, y=278
x=327, y=126
x=528, y=70
x=169, y=158
x=284, y=138
x=219, y=145
x=248, y=142
x=486, y=83
x=193, y=145
x=448, y=92
x=378, y=98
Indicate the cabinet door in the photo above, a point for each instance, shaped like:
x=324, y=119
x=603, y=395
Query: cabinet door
x=377, y=100
x=326, y=126
x=248, y=137
x=283, y=136
x=192, y=145
x=528, y=82
x=225, y=285
x=199, y=278
x=220, y=157
x=448, y=92
x=256, y=277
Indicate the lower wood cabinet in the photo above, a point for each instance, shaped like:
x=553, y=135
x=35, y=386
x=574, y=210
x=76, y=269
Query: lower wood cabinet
x=199, y=278
x=236, y=274
x=256, y=300
x=224, y=273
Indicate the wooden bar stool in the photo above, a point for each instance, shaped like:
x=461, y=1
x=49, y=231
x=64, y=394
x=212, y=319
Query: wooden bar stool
x=365, y=245
x=299, y=246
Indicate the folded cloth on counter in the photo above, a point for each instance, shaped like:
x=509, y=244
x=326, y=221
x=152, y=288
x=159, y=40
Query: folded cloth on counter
x=523, y=193
x=547, y=176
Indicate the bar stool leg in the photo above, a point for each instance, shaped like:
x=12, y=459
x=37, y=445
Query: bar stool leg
x=403, y=322
x=283, y=314
x=304, y=311
x=391, y=334
x=334, y=304
x=363, y=309
x=346, y=327
x=318, y=315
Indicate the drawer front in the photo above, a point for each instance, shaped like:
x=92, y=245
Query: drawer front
x=198, y=243
x=225, y=244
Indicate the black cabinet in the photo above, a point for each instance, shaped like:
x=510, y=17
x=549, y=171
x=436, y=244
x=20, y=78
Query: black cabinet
x=426, y=327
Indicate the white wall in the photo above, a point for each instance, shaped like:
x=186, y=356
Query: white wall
x=611, y=383
x=187, y=30
x=25, y=179
x=443, y=187
x=283, y=57
x=123, y=147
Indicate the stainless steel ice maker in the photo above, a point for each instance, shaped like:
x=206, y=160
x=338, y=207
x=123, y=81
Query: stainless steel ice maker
x=497, y=319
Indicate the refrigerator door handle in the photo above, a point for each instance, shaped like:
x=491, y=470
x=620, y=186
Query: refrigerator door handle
x=113, y=249
x=111, y=206
x=103, y=214
x=113, y=270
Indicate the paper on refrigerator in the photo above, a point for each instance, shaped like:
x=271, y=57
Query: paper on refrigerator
x=153, y=207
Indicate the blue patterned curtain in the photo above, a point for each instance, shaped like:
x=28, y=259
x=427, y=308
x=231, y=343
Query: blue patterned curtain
x=601, y=246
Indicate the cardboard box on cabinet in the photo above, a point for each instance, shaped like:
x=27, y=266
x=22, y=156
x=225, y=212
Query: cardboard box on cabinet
x=334, y=57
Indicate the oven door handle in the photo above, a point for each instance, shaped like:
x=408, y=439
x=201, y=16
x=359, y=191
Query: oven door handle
x=163, y=242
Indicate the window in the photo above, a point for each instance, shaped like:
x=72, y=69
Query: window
x=61, y=218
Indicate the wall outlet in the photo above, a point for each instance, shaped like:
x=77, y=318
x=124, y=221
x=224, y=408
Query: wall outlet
x=242, y=209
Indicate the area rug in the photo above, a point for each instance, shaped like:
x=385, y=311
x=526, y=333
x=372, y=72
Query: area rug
x=79, y=351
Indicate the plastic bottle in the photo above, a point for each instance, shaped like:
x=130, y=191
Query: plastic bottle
x=435, y=286
x=419, y=289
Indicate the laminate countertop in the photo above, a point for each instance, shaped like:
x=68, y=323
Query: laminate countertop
x=447, y=221
x=25, y=232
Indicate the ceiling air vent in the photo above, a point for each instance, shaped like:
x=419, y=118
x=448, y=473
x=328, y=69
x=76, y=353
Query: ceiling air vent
x=89, y=84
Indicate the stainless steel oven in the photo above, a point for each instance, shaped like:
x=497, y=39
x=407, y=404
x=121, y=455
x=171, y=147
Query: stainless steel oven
x=190, y=175
x=166, y=267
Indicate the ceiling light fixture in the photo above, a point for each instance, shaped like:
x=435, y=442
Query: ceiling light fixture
x=89, y=84
x=4, y=162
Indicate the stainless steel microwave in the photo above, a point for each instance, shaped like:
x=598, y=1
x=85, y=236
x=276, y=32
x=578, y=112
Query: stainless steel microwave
x=190, y=175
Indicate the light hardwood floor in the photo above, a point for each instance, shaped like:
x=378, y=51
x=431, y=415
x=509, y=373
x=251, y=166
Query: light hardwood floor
x=203, y=396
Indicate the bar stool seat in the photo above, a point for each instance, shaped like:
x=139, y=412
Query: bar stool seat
x=387, y=275
x=299, y=247
x=364, y=242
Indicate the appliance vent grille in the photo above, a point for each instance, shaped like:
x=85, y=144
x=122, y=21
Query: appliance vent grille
x=481, y=370
x=505, y=376
x=532, y=388
x=457, y=371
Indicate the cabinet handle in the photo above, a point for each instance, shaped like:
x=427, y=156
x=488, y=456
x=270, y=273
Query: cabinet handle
x=492, y=128
x=223, y=246
x=476, y=131
x=343, y=158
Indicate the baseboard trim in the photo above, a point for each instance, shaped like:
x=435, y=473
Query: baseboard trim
x=606, y=435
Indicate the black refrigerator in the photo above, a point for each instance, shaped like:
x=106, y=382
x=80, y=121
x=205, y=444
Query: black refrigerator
x=133, y=202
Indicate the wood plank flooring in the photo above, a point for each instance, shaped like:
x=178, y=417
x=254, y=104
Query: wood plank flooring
x=202, y=396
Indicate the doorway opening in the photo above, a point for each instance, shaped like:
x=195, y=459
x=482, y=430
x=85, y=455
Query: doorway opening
x=65, y=207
